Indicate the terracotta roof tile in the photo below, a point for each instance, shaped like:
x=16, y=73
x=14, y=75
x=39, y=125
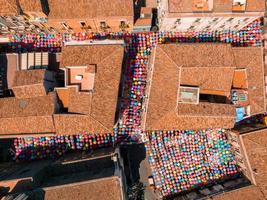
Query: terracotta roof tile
x=180, y=5
x=29, y=77
x=8, y=7
x=70, y=9
x=104, y=189
x=69, y=124
x=253, y=5
x=29, y=91
x=174, y=66
x=63, y=96
x=31, y=5
x=220, y=6
x=207, y=78
x=31, y=83
x=200, y=55
x=173, y=121
x=253, y=62
x=80, y=102
x=247, y=193
x=32, y=124
x=255, y=144
x=39, y=106
x=256, y=147
x=162, y=99
x=85, y=55
x=108, y=60
x=206, y=109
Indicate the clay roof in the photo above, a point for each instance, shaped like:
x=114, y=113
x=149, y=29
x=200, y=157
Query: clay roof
x=29, y=91
x=255, y=144
x=29, y=77
x=183, y=6
x=201, y=65
x=250, y=193
x=80, y=102
x=104, y=189
x=172, y=62
x=69, y=124
x=207, y=109
x=253, y=63
x=103, y=101
x=173, y=121
x=38, y=106
x=27, y=116
x=32, y=124
x=71, y=9
x=207, y=78
x=143, y=22
x=8, y=7
x=31, y=5
x=199, y=55
x=31, y=83
x=11, y=7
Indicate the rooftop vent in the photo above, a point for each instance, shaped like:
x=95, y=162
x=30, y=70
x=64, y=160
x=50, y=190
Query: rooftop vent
x=22, y=104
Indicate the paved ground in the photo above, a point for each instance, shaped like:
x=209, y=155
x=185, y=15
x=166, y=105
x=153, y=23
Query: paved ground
x=139, y=169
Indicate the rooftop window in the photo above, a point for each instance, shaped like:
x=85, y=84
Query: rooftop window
x=239, y=5
x=188, y=94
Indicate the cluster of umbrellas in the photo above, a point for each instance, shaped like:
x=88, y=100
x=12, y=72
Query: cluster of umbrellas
x=37, y=148
x=251, y=35
x=138, y=47
x=183, y=160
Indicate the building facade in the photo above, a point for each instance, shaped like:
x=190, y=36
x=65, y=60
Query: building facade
x=207, y=15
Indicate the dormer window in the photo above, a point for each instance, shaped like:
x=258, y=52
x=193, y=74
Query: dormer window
x=65, y=26
x=239, y=5
x=85, y=26
x=103, y=25
x=123, y=25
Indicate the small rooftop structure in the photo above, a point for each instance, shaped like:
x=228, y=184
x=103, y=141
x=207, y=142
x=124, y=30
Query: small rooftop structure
x=92, y=80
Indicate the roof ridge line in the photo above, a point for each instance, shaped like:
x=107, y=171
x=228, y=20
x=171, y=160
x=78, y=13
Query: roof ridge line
x=163, y=117
x=170, y=58
x=108, y=56
x=8, y=2
x=99, y=122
